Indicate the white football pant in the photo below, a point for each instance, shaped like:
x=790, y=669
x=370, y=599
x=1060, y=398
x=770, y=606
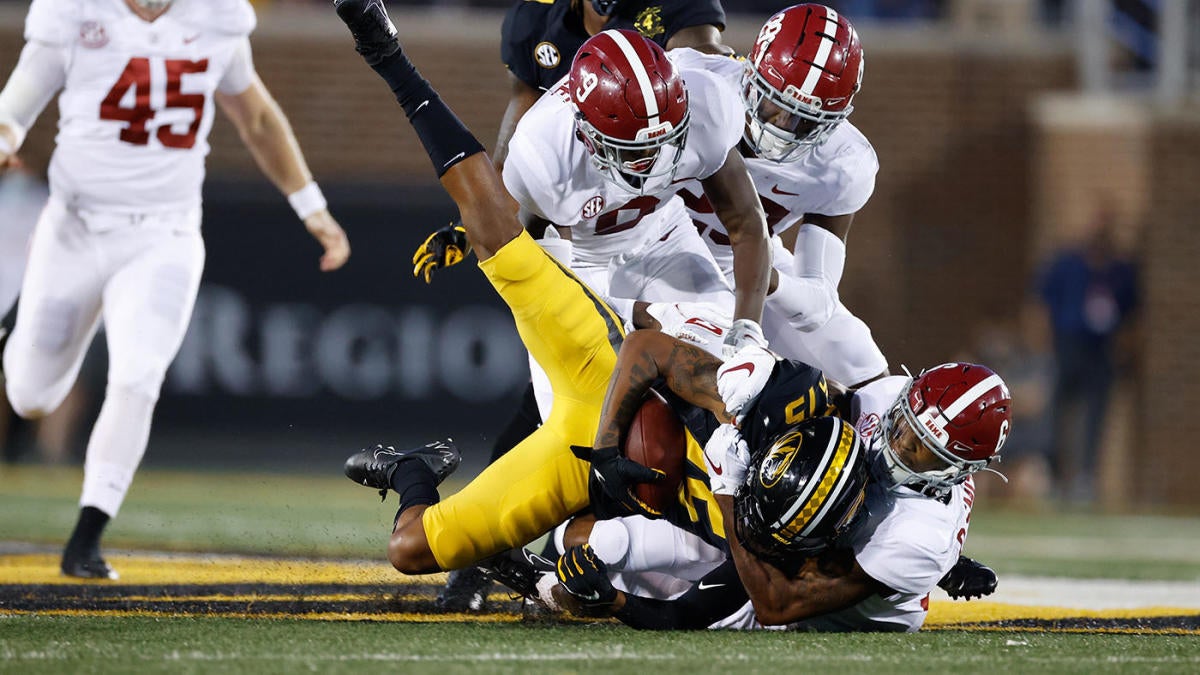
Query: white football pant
x=141, y=275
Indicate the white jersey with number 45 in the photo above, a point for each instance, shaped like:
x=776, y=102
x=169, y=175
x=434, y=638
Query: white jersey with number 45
x=137, y=99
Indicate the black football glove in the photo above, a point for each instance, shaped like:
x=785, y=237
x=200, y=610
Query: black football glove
x=968, y=579
x=444, y=248
x=611, y=482
x=585, y=577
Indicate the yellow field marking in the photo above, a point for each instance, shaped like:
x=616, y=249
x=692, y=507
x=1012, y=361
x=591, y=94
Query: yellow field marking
x=944, y=613
x=194, y=569
x=393, y=617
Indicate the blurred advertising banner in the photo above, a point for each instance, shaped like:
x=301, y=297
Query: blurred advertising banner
x=276, y=344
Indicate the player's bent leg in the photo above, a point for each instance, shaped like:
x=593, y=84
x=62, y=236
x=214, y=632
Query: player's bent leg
x=518, y=498
x=58, y=315
x=568, y=328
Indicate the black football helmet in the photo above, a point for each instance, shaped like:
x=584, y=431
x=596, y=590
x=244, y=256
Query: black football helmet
x=803, y=490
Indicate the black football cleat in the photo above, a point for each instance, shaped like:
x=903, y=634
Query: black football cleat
x=517, y=568
x=968, y=579
x=374, y=467
x=374, y=33
x=88, y=566
x=466, y=590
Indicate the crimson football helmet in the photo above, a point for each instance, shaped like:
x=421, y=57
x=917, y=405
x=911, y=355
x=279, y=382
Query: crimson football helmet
x=961, y=412
x=631, y=109
x=804, y=70
x=802, y=491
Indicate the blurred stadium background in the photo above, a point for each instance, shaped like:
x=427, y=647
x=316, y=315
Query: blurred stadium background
x=1004, y=128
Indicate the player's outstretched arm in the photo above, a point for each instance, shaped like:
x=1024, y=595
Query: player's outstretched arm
x=647, y=355
x=488, y=213
x=268, y=135
x=819, y=586
x=39, y=74
x=736, y=203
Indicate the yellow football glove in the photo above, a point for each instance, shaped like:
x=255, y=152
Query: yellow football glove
x=444, y=248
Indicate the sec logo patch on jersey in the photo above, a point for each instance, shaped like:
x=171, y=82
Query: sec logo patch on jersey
x=92, y=35
x=593, y=207
x=547, y=55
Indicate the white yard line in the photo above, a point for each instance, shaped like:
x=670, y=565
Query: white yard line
x=1093, y=594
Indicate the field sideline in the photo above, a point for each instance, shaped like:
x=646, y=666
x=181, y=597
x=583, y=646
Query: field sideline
x=265, y=573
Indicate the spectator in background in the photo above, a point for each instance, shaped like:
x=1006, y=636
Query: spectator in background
x=1017, y=348
x=1090, y=292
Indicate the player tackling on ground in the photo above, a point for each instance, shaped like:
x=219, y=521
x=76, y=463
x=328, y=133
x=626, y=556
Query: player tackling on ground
x=571, y=332
x=120, y=238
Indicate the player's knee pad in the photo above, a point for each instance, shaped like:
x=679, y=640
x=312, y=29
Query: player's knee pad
x=610, y=540
x=32, y=402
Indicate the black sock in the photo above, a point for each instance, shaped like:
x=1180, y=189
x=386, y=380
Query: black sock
x=89, y=527
x=446, y=139
x=415, y=483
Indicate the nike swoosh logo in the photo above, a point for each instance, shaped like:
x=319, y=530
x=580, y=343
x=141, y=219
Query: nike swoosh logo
x=190, y=40
x=775, y=190
x=423, y=104
x=704, y=587
x=747, y=366
x=715, y=466
x=455, y=158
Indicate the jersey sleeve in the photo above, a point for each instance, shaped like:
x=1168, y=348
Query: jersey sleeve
x=516, y=35
x=51, y=21
x=680, y=14
x=240, y=74
x=717, y=119
x=522, y=172
x=795, y=392
x=231, y=17
x=853, y=168
x=906, y=553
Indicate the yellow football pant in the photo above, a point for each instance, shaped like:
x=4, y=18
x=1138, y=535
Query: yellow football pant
x=574, y=336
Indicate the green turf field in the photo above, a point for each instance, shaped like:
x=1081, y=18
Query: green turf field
x=184, y=614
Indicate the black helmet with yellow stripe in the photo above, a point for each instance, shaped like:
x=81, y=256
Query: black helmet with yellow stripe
x=803, y=490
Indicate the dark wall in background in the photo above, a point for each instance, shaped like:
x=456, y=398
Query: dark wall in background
x=281, y=359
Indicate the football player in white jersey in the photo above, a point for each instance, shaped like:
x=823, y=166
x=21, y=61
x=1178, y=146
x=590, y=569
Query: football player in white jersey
x=601, y=156
x=120, y=238
x=813, y=171
x=803, y=559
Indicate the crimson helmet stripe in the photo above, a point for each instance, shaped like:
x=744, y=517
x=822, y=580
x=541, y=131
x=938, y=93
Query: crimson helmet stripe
x=973, y=394
x=823, y=50
x=639, y=73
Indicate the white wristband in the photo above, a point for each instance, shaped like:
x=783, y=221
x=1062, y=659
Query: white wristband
x=307, y=200
x=11, y=148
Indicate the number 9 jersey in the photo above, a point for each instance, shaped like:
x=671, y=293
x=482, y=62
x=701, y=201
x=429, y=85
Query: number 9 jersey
x=137, y=100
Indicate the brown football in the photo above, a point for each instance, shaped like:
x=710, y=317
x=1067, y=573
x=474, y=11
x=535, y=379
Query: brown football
x=656, y=439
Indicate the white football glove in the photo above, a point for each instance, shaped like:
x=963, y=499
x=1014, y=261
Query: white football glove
x=741, y=379
x=727, y=458
x=698, y=323
x=743, y=333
